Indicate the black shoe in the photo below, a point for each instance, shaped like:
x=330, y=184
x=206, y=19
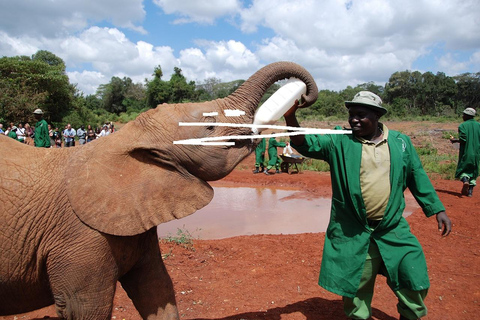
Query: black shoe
x=465, y=189
x=266, y=172
x=470, y=191
x=256, y=171
x=277, y=171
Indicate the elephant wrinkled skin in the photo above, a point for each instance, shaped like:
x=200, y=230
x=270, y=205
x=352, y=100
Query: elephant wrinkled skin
x=74, y=221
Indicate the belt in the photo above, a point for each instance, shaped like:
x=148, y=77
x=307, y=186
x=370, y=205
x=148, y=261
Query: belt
x=373, y=223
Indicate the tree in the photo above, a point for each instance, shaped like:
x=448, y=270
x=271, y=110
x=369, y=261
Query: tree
x=119, y=94
x=468, y=91
x=158, y=91
x=181, y=91
x=27, y=84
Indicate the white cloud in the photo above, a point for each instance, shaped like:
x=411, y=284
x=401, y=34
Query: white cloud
x=340, y=42
x=199, y=11
x=87, y=81
x=62, y=17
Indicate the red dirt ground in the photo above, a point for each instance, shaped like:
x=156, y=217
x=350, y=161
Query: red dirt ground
x=275, y=277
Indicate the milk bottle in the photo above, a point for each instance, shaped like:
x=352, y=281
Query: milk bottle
x=279, y=103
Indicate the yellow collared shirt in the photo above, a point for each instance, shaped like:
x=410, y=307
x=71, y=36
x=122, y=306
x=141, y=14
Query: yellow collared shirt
x=375, y=175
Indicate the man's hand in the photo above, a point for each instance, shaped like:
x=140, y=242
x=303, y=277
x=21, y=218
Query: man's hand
x=292, y=110
x=444, y=221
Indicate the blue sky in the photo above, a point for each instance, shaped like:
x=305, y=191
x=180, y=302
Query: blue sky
x=340, y=42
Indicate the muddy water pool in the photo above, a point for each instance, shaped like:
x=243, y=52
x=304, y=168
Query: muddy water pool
x=248, y=211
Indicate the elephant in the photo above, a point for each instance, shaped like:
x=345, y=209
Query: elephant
x=74, y=221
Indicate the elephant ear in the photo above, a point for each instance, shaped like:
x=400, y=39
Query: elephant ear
x=124, y=194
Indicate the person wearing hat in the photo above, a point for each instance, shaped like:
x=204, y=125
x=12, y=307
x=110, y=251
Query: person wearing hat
x=42, y=137
x=469, y=154
x=367, y=234
x=12, y=133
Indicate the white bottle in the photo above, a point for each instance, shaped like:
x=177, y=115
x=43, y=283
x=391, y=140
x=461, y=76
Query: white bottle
x=279, y=103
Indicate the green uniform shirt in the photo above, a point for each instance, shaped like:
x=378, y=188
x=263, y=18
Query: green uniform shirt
x=42, y=138
x=348, y=235
x=272, y=151
x=469, y=154
x=260, y=153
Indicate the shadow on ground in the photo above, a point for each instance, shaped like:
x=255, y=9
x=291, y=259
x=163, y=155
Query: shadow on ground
x=311, y=309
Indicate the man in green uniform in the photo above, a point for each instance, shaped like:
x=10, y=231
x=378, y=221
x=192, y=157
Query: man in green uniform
x=367, y=234
x=273, y=160
x=469, y=154
x=12, y=133
x=42, y=137
x=260, y=156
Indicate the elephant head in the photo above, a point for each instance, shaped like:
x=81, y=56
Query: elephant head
x=138, y=178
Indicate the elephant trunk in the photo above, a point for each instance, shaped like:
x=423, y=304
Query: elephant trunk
x=247, y=97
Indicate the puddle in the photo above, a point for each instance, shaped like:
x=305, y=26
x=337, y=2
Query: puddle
x=249, y=211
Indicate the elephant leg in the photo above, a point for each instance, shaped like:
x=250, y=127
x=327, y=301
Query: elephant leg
x=83, y=284
x=149, y=285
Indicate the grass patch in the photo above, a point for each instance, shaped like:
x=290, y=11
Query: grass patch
x=183, y=238
x=315, y=165
x=443, y=165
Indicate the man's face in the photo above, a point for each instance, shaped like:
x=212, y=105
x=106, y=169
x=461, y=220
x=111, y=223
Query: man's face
x=364, y=121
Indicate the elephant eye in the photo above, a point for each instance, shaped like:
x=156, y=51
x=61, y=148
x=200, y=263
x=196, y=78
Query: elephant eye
x=212, y=120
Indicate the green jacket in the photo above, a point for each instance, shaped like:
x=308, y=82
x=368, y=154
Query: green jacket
x=42, y=138
x=348, y=235
x=469, y=154
x=272, y=151
x=12, y=134
x=260, y=152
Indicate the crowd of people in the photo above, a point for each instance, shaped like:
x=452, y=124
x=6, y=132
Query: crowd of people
x=46, y=136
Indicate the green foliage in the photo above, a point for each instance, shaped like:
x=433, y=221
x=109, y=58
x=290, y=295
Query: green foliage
x=183, y=238
x=30, y=83
x=39, y=81
x=315, y=165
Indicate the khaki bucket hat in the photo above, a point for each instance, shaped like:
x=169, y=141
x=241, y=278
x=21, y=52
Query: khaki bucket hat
x=367, y=99
x=470, y=112
x=38, y=111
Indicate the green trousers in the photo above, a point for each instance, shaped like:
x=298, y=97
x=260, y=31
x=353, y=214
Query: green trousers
x=410, y=303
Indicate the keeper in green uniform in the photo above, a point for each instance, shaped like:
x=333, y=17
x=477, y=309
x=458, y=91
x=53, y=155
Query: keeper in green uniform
x=367, y=234
x=273, y=160
x=260, y=156
x=469, y=154
x=42, y=137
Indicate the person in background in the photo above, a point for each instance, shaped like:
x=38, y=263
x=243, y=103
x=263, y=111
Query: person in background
x=21, y=133
x=29, y=135
x=469, y=154
x=90, y=133
x=51, y=134
x=260, y=156
x=105, y=131
x=273, y=159
x=69, y=136
x=82, y=135
x=367, y=234
x=12, y=133
x=1, y=129
x=57, y=137
x=41, y=137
